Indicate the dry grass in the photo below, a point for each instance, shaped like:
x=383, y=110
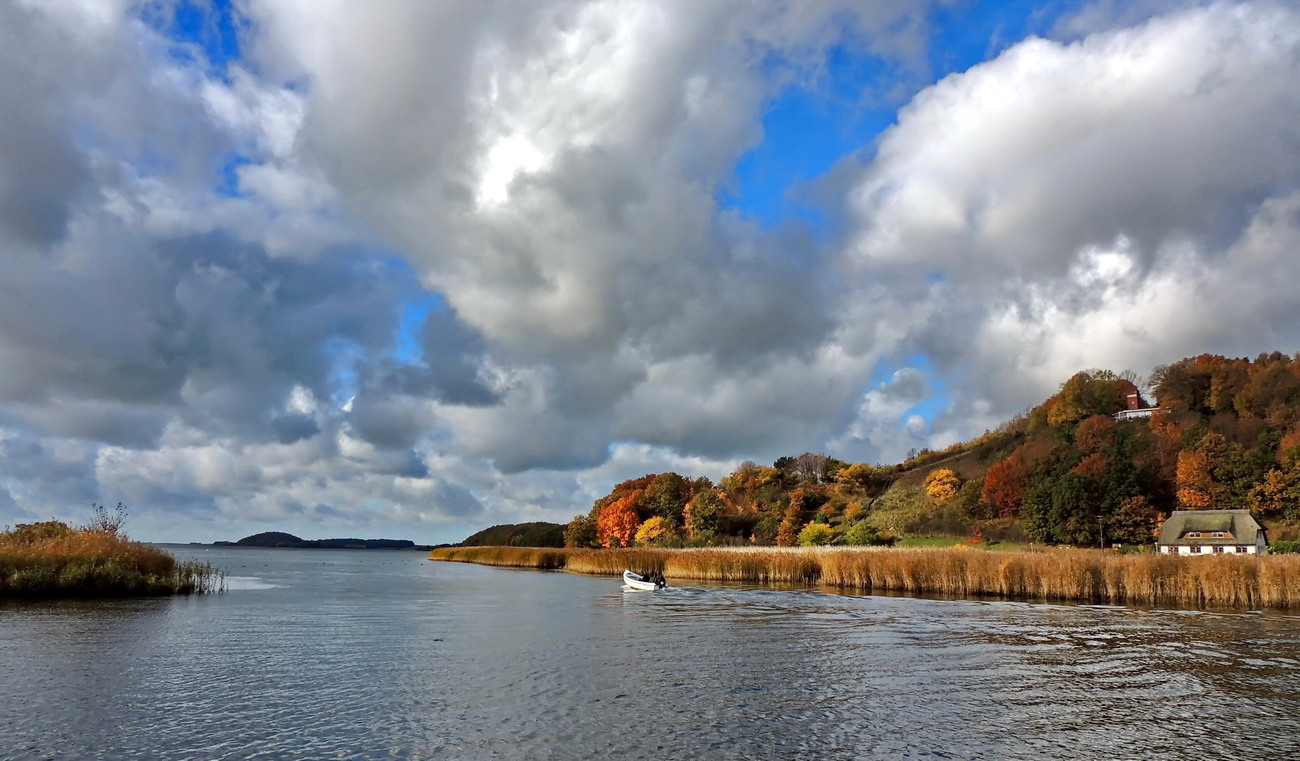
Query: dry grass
x=509, y=557
x=51, y=560
x=1057, y=575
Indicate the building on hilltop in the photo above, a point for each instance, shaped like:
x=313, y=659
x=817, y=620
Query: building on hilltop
x=1135, y=407
x=1211, y=532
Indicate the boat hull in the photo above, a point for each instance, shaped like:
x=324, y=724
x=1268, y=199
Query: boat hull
x=636, y=582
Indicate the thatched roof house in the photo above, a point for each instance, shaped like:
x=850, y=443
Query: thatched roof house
x=1196, y=532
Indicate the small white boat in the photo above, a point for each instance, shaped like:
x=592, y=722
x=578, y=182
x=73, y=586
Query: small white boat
x=637, y=581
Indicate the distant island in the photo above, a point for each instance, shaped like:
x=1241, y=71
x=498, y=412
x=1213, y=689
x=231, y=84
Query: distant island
x=281, y=539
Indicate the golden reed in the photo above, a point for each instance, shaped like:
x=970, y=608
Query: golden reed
x=1220, y=581
x=53, y=560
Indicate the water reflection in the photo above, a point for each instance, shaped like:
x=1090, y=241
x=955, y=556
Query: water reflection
x=379, y=655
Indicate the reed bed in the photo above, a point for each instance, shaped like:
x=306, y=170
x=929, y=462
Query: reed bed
x=546, y=559
x=1221, y=581
x=53, y=560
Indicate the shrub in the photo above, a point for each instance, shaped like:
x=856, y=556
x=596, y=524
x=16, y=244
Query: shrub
x=816, y=534
x=1284, y=547
x=864, y=534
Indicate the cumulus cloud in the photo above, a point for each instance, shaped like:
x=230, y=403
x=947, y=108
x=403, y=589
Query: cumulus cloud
x=553, y=176
x=1082, y=204
x=209, y=270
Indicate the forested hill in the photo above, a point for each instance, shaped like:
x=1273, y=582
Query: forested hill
x=1225, y=434
x=538, y=534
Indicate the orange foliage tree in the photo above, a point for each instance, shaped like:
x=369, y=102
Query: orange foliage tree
x=1093, y=466
x=1195, y=486
x=617, y=523
x=1005, y=484
x=792, y=522
x=1094, y=433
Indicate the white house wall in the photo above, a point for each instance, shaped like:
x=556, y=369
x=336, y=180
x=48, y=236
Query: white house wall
x=1185, y=549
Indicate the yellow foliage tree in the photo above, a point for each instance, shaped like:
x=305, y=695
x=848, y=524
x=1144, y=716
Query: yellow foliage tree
x=942, y=485
x=1278, y=493
x=654, y=531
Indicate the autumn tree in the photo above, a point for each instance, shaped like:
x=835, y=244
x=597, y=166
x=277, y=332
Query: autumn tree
x=1272, y=384
x=666, y=496
x=792, y=521
x=1196, y=487
x=1277, y=494
x=815, y=534
x=1288, y=448
x=1135, y=522
x=1096, y=392
x=1005, y=484
x=654, y=531
x=704, y=514
x=617, y=522
x=1095, y=433
x=1093, y=466
x=861, y=478
x=581, y=532
x=942, y=485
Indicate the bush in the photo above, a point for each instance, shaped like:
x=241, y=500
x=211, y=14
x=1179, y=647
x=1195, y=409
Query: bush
x=864, y=534
x=816, y=534
x=1284, y=547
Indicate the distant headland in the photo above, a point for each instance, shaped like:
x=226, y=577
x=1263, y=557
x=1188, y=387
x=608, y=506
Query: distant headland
x=281, y=539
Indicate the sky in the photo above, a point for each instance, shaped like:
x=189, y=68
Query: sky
x=402, y=269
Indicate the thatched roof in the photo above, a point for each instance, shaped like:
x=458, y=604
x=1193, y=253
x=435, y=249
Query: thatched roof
x=1240, y=526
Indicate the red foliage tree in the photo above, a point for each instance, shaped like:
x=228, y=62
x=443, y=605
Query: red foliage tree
x=1005, y=484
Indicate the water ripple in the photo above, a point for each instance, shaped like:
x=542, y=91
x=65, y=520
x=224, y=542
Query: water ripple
x=383, y=655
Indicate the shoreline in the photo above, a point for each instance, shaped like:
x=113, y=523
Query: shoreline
x=1076, y=575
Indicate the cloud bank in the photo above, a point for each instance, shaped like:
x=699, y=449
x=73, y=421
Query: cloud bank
x=416, y=268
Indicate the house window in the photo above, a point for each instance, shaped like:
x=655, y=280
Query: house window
x=1217, y=534
x=1218, y=550
x=1243, y=550
x=1196, y=550
x=1194, y=534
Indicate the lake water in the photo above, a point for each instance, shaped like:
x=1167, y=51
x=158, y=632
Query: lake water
x=320, y=654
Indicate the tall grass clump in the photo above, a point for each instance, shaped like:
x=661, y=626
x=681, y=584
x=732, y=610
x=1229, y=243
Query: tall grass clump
x=52, y=559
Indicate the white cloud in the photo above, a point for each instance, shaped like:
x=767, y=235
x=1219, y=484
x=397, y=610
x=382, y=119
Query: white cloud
x=1104, y=202
x=551, y=170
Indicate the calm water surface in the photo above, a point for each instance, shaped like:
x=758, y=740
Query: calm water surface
x=318, y=654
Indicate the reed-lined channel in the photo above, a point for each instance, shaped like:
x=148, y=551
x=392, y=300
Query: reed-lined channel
x=337, y=654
